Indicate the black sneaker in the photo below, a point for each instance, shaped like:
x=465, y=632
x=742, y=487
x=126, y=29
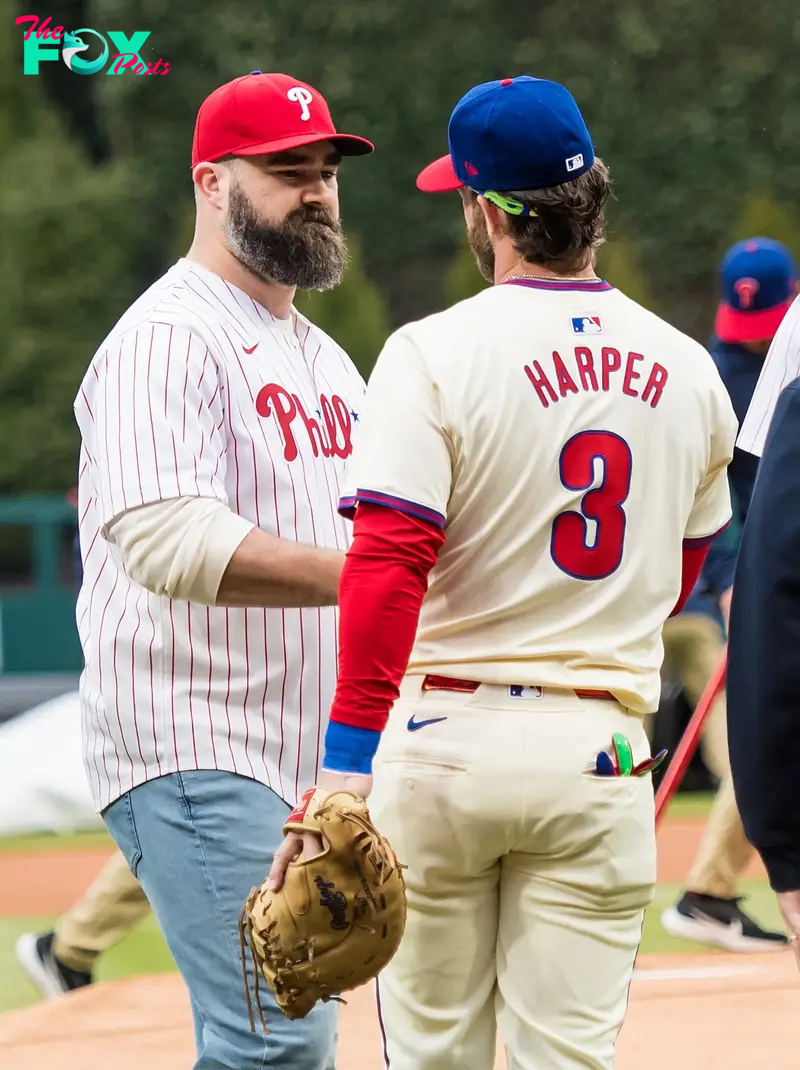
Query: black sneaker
x=51, y=977
x=720, y=922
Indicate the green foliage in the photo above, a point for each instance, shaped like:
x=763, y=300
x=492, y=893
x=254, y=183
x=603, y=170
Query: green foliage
x=694, y=106
x=618, y=262
x=68, y=267
x=762, y=216
x=463, y=279
x=354, y=314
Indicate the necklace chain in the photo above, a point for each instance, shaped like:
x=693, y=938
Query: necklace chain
x=554, y=278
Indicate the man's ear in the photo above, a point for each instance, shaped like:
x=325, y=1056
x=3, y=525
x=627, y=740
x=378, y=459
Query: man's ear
x=496, y=222
x=211, y=181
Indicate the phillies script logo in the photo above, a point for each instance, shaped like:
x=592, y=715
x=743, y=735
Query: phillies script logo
x=331, y=441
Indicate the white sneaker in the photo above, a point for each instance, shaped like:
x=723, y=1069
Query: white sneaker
x=52, y=978
x=720, y=922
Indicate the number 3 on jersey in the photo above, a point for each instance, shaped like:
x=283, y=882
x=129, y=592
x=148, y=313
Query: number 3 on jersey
x=569, y=545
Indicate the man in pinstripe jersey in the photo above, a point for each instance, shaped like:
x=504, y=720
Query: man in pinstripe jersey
x=215, y=423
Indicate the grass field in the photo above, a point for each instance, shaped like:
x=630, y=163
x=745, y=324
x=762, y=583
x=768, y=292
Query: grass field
x=144, y=950
x=687, y=806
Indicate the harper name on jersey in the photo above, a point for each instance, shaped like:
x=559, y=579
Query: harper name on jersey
x=586, y=368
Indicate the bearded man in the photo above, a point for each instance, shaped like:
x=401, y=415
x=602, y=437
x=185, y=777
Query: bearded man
x=215, y=423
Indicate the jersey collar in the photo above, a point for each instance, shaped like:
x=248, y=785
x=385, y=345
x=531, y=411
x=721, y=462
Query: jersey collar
x=587, y=286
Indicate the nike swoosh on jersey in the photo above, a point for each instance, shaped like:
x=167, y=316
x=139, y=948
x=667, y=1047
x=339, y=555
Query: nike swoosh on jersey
x=413, y=724
x=252, y=349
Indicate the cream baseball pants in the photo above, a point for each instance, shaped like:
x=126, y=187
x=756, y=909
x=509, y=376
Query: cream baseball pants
x=527, y=879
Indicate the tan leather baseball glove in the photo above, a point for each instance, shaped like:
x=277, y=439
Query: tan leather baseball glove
x=338, y=918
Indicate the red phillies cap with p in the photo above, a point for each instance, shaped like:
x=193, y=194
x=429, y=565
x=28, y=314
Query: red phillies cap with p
x=263, y=113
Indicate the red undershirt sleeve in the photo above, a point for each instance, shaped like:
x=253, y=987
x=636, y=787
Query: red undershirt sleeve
x=383, y=584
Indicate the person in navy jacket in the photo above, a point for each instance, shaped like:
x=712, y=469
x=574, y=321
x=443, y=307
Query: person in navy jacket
x=764, y=704
x=758, y=284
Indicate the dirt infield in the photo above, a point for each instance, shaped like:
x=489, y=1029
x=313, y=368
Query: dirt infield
x=49, y=882
x=695, y=1013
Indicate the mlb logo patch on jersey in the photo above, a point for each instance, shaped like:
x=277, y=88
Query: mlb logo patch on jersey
x=518, y=691
x=588, y=324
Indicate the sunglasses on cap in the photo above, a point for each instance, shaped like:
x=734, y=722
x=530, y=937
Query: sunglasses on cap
x=508, y=204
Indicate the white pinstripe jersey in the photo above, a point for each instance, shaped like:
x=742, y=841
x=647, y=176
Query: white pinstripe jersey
x=199, y=391
x=780, y=368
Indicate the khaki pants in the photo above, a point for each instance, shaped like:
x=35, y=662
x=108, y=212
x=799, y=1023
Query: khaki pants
x=693, y=646
x=108, y=910
x=527, y=878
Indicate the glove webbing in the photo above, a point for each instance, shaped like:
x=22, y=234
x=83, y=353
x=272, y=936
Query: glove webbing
x=247, y=942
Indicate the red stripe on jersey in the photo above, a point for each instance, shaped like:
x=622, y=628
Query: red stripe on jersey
x=86, y=403
x=171, y=687
x=320, y=715
x=153, y=687
x=103, y=699
x=118, y=423
x=283, y=704
x=89, y=502
x=133, y=662
x=186, y=386
x=228, y=691
x=247, y=693
x=150, y=411
x=114, y=646
x=135, y=408
x=171, y=428
x=191, y=679
x=208, y=693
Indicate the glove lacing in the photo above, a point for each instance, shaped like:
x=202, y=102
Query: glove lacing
x=383, y=861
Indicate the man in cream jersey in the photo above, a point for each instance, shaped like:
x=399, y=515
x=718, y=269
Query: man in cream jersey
x=557, y=485
x=215, y=424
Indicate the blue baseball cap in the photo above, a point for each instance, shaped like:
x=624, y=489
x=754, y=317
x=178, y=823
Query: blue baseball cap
x=513, y=134
x=759, y=283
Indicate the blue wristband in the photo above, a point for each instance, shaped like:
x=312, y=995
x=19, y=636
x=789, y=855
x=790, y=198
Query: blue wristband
x=349, y=749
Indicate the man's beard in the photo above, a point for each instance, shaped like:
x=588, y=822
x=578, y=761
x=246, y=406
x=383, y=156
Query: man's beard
x=480, y=243
x=307, y=249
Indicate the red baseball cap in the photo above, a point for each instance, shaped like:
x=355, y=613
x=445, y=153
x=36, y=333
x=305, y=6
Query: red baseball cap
x=263, y=113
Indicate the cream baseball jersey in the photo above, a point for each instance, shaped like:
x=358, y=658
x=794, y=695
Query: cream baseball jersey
x=780, y=368
x=569, y=441
x=198, y=391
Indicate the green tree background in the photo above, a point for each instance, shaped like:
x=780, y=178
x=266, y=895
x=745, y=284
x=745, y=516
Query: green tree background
x=694, y=106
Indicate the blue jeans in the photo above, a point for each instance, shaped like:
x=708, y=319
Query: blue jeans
x=198, y=842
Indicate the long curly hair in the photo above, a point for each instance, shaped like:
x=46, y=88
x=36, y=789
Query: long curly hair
x=569, y=222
